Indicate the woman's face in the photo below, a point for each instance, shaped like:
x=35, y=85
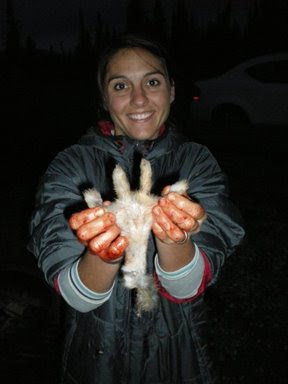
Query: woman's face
x=137, y=93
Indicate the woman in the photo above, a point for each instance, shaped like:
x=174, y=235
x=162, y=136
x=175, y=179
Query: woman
x=80, y=250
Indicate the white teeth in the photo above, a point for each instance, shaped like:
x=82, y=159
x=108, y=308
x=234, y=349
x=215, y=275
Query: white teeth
x=140, y=116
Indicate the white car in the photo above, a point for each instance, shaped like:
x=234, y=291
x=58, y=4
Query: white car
x=253, y=92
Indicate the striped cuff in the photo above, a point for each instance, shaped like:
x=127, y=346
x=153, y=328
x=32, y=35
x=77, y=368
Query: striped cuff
x=185, y=282
x=76, y=294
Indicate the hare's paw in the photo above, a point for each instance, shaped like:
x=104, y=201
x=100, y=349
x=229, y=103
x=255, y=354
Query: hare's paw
x=179, y=187
x=92, y=197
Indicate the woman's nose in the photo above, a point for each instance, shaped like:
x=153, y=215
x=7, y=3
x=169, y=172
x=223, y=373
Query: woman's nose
x=139, y=96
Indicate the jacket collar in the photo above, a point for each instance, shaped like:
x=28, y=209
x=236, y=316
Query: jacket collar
x=102, y=137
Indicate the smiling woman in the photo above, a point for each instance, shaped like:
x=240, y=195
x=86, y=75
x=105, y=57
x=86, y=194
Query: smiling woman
x=136, y=87
x=137, y=94
x=190, y=232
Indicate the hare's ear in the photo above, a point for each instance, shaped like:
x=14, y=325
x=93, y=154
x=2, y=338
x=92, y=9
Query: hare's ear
x=120, y=181
x=145, y=177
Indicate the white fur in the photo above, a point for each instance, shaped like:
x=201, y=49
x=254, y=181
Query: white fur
x=133, y=211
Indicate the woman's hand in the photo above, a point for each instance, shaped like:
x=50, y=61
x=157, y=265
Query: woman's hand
x=176, y=215
x=97, y=230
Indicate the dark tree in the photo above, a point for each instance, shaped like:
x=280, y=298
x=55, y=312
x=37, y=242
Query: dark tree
x=159, y=24
x=267, y=29
x=84, y=45
x=137, y=19
x=30, y=46
x=180, y=46
x=101, y=34
x=13, y=41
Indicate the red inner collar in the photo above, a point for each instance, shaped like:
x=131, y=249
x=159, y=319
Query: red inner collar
x=107, y=128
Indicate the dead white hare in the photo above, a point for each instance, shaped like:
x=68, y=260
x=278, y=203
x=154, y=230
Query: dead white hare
x=133, y=212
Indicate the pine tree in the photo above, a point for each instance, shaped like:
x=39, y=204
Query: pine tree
x=159, y=24
x=136, y=17
x=13, y=41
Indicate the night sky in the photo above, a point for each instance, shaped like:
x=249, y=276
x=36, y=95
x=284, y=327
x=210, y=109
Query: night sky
x=54, y=21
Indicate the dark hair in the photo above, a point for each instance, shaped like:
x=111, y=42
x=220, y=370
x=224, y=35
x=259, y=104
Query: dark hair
x=130, y=41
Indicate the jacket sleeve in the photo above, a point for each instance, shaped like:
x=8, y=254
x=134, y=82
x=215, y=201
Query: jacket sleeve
x=223, y=229
x=52, y=241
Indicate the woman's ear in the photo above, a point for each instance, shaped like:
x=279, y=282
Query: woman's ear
x=172, y=93
x=104, y=104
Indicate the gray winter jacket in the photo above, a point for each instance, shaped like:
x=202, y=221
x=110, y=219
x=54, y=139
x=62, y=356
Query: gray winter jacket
x=112, y=344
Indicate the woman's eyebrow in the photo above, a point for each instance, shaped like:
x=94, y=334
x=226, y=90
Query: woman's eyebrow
x=157, y=72
x=116, y=77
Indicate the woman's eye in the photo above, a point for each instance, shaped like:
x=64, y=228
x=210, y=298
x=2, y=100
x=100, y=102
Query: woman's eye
x=119, y=86
x=153, y=82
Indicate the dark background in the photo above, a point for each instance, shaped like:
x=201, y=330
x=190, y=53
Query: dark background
x=48, y=101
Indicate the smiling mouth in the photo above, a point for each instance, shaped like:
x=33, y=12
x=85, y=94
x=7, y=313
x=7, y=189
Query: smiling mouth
x=140, y=116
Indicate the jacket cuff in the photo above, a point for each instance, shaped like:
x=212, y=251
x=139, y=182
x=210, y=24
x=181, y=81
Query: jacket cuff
x=68, y=284
x=207, y=275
